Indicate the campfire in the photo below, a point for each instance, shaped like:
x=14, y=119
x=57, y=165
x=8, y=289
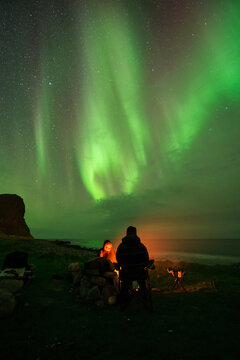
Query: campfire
x=178, y=277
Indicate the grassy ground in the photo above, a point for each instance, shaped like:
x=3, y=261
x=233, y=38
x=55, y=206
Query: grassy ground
x=50, y=323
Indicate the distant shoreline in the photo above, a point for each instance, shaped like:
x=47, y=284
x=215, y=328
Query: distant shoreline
x=207, y=259
x=84, y=248
x=204, y=258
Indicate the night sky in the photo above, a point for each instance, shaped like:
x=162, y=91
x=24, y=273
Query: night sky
x=122, y=112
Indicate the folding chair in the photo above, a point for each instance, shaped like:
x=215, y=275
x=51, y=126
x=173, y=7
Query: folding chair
x=129, y=274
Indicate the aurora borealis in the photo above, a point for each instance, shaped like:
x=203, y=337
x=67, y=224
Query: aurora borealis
x=113, y=88
x=122, y=112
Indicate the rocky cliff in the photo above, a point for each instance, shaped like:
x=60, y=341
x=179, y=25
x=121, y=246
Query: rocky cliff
x=12, y=222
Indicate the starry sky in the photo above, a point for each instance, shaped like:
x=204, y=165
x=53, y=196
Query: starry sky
x=118, y=113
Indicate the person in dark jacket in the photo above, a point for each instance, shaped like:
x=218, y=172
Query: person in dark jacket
x=131, y=250
x=132, y=257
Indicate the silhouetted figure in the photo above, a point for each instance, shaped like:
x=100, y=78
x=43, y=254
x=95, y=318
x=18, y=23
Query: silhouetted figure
x=132, y=257
x=107, y=251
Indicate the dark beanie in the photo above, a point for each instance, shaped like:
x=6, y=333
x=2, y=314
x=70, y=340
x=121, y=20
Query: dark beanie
x=131, y=230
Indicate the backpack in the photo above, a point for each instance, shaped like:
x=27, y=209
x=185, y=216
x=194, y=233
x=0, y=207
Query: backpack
x=16, y=259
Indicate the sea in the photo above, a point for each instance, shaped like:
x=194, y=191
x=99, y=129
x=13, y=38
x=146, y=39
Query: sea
x=204, y=251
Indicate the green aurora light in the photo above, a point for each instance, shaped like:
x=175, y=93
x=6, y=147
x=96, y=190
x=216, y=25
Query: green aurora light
x=214, y=75
x=102, y=113
x=114, y=121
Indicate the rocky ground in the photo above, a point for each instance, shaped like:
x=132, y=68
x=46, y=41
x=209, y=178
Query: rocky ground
x=49, y=322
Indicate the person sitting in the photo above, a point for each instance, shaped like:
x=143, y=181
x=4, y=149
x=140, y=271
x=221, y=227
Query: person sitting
x=107, y=251
x=132, y=257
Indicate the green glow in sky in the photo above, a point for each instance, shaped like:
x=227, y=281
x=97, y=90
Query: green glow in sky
x=210, y=77
x=42, y=124
x=115, y=114
x=113, y=131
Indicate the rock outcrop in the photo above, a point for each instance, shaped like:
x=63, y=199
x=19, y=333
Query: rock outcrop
x=12, y=222
x=7, y=303
x=11, y=285
x=98, y=283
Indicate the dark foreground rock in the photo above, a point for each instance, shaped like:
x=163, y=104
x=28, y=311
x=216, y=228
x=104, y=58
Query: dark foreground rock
x=12, y=222
x=98, y=282
x=7, y=302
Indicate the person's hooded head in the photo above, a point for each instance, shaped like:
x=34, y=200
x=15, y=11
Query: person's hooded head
x=131, y=238
x=107, y=246
x=107, y=251
x=131, y=230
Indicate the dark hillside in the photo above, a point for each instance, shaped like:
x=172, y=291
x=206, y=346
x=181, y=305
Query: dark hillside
x=50, y=323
